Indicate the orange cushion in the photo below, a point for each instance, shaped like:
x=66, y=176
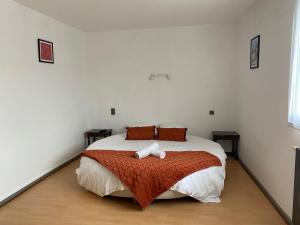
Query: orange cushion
x=140, y=133
x=171, y=134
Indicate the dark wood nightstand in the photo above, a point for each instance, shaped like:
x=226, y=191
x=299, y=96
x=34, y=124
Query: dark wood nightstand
x=94, y=133
x=228, y=135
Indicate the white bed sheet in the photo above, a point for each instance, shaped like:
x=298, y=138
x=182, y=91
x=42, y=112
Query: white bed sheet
x=204, y=185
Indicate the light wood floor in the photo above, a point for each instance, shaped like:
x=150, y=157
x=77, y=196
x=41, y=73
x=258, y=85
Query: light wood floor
x=58, y=200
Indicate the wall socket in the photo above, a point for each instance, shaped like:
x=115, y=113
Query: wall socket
x=113, y=111
x=211, y=112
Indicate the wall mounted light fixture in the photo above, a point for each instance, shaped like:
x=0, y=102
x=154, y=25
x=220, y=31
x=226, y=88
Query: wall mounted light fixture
x=153, y=76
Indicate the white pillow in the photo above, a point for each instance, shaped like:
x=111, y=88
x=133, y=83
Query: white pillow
x=141, y=124
x=171, y=125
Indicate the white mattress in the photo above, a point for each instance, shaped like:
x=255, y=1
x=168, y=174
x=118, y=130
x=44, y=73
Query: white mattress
x=204, y=185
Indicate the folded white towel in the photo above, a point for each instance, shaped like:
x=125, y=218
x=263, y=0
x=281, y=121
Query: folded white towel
x=146, y=151
x=150, y=150
x=159, y=153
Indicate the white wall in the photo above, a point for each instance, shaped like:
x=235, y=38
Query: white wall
x=266, y=137
x=44, y=109
x=201, y=60
x=42, y=115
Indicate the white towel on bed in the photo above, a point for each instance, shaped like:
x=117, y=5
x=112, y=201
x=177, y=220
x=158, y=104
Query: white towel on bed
x=146, y=151
x=152, y=149
x=158, y=153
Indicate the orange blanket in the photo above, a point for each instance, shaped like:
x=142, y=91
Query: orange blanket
x=149, y=177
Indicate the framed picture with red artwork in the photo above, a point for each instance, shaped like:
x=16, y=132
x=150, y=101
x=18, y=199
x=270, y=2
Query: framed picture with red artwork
x=45, y=51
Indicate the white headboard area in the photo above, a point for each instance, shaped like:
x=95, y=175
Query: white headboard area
x=192, y=71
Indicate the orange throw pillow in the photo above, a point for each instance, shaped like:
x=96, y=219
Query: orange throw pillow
x=171, y=134
x=140, y=133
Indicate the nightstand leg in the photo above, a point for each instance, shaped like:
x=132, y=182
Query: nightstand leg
x=236, y=149
x=233, y=148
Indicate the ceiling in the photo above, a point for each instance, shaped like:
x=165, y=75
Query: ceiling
x=101, y=15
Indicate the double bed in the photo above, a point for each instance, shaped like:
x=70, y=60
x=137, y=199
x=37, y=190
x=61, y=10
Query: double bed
x=205, y=185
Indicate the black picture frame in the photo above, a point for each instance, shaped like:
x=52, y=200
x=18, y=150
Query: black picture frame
x=255, y=52
x=40, y=41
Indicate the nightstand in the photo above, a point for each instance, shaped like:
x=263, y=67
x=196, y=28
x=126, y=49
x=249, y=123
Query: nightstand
x=228, y=135
x=97, y=133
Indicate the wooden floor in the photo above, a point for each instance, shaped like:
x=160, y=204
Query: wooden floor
x=58, y=200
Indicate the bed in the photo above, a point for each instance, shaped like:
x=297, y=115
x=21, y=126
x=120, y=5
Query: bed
x=205, y=185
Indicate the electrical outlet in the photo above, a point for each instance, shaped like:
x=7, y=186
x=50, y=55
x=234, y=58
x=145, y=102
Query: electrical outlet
x=113, y=111
x=211, y=112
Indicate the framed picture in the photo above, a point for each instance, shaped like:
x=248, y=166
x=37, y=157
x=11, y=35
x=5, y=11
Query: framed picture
x=45, y=51
x=254, y=52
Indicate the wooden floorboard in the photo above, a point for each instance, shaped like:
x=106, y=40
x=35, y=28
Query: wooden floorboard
x=58, y=200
